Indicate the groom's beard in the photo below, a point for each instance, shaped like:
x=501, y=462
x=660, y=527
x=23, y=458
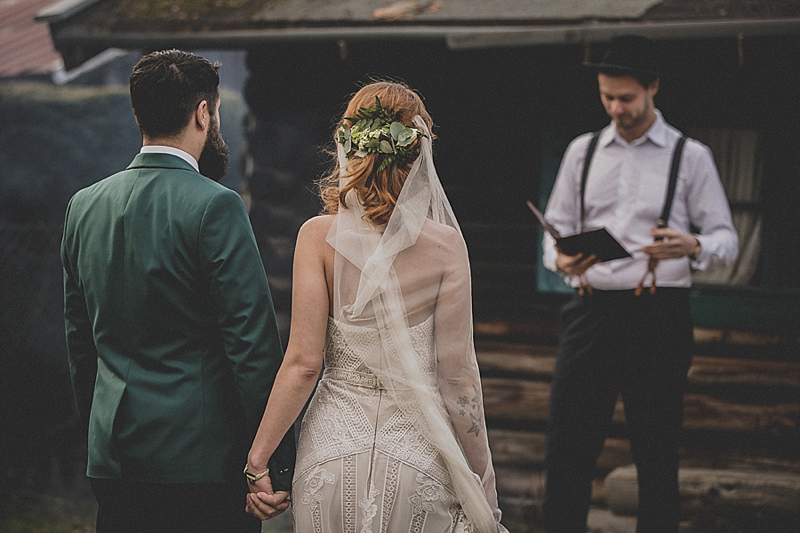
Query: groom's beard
x=213, y=162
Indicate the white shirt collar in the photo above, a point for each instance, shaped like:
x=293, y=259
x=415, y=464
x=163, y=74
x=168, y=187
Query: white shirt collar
x=657, y=133
x=185, y=156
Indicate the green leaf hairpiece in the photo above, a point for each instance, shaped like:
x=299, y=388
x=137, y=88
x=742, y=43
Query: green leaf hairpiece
x=376, y=130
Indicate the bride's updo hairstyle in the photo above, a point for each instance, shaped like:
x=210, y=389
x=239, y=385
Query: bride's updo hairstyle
x=377, y=186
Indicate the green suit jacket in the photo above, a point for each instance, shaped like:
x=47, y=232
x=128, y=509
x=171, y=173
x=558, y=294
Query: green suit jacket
x=171, y=336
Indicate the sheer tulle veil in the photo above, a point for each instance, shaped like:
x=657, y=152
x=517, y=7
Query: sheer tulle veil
x=391, y=277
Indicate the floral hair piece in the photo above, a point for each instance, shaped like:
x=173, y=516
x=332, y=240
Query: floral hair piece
x=375, y=130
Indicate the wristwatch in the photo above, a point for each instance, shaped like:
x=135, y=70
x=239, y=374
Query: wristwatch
x=696, y=250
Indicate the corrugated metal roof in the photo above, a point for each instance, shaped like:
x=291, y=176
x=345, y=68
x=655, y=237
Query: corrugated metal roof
x=84, y=27
x=25, y=45
x=155, y=16
x=161, y=15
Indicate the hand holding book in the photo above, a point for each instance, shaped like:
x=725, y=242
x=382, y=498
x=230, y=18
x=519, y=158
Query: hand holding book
x=596, y=242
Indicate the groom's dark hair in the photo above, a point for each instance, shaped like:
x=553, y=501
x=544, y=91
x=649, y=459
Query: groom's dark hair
x=166, y=87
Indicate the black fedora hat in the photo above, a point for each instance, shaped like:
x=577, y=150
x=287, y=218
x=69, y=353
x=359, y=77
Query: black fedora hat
x=629, y=54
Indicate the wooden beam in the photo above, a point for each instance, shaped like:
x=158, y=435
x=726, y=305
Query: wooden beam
x=525, y=400
x=718, y=499
x=527, y=449
x=539, y=362
x=521, y=514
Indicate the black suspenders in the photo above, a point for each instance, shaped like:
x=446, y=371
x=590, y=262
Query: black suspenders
x=677, y=154
x=663, y=219
x=587, y=162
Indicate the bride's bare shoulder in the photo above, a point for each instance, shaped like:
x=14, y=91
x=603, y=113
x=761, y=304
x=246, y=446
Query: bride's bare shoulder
x=440, y=235
x=314, y=231
x=317, y=223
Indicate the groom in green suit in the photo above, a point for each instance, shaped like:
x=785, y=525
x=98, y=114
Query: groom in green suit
x=171, y=336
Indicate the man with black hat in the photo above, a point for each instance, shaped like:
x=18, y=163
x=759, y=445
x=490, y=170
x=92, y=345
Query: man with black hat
x=629, y=331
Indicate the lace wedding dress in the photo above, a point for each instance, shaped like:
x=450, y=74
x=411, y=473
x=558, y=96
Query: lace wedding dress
x=363, y=466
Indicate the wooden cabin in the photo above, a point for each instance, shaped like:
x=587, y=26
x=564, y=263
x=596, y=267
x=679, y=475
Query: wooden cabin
x=507, y=93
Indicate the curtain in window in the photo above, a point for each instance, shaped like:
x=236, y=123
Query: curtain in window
x=736, y=155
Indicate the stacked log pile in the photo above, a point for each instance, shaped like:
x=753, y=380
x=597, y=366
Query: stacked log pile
x=739, y=467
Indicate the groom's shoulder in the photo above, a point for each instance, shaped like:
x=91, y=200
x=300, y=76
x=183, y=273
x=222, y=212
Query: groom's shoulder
x=95, y=188
x=577, y=148
x=196, y=189
x=581, y=141
x=204, y=187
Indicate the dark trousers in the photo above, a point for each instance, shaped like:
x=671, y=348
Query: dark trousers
x=127, y=506
x=614, y=343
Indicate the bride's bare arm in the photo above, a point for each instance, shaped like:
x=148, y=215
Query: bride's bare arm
x=303, y=360
x=457, y=367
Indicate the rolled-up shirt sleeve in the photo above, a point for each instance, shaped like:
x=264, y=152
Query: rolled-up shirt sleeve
x=709, y=211
x=563, y=207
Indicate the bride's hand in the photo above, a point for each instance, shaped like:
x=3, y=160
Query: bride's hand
x=262, y=502
x=266, y=506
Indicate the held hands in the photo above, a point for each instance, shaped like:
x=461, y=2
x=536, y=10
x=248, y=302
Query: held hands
x=262, y=502
x=673, y=244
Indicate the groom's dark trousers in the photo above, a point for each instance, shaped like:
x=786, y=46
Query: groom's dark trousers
x=172, y=345
x=614, y=343
x=126, y=506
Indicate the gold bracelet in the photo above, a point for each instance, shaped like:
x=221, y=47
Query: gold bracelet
x=251, y=477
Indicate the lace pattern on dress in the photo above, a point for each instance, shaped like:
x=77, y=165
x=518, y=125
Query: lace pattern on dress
x=369, y=509
x=349, y=473
x=428, y=494
x=390, y=486
x=313, y=484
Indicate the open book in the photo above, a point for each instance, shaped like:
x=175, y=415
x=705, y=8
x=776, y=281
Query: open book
x=598, y=242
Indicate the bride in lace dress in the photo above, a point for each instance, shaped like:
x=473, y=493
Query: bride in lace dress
x=394, y=438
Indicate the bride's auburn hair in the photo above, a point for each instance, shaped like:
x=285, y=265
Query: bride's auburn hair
x=376, y=190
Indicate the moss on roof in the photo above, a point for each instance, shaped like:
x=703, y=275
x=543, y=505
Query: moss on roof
x=193, y=15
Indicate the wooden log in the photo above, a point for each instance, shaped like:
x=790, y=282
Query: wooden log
x=536, y=330
x=527, y=449
x=512, y=399
x=745, y=458
x=704, y=412
x=521, y=514
x=530, y=361
x=603, y=520
x=704, y=335
x=708, y=371
x=530, y=484
x=525, y=515
x=539, y=362
x=736, y=337
x=721, y=499
x=519, y=448
x=599, y=494
x=521, y=483
x=525, y=400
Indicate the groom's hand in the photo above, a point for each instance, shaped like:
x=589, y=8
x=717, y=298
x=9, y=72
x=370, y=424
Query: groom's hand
x=262, y=502
x=575, y=264
x=265, y=506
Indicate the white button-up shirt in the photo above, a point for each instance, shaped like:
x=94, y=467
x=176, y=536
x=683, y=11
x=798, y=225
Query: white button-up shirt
x=625, y=192
x=157, y=149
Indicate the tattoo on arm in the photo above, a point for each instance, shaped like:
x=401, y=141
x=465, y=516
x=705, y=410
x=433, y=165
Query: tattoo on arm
x=471, y=408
